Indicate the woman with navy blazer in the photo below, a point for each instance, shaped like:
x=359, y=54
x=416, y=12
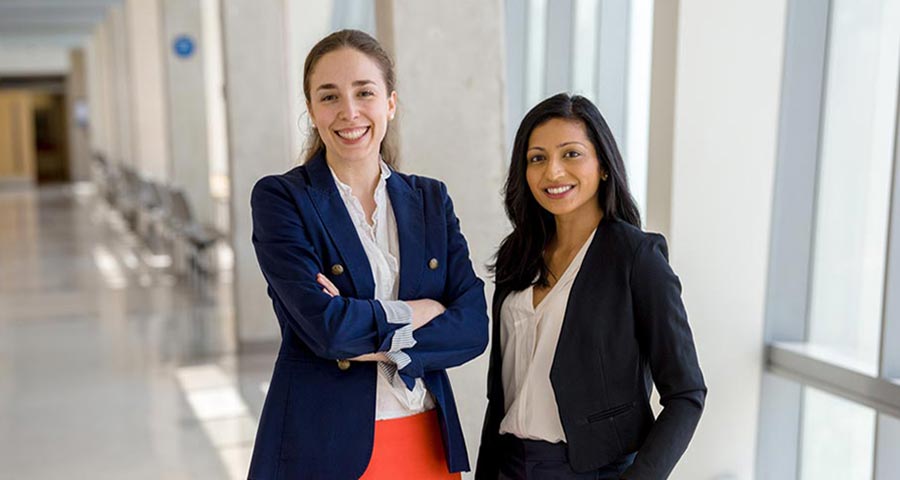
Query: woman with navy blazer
x=373, y=289
x=587, y=316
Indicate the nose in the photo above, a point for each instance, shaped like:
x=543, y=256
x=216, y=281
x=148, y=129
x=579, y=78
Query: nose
x=349, y=109
x=555, y=169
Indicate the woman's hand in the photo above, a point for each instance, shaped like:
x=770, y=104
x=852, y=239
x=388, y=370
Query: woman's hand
x=371, y=357
x=328, y=287
x=332, y=290
x=424, y=310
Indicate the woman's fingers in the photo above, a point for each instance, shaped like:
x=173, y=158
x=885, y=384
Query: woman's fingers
x=329, y=287
x=370, y=357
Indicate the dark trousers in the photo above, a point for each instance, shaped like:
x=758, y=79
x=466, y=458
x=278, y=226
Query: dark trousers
x=537, y=460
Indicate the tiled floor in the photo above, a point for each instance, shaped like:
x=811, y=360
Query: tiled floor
x=110, y=366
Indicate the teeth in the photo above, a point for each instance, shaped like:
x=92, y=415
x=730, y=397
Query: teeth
x=558, y=190
x=352, y=134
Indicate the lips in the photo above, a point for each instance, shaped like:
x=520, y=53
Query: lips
x=351, y=135
x=558, y=191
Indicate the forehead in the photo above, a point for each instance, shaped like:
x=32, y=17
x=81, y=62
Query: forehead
x=556, y=131
x=343, y=67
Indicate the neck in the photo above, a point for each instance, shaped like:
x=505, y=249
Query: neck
x=573, y=229
x=361, y=175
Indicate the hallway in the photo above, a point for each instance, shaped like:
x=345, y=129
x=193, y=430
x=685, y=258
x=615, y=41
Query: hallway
x=100, y=349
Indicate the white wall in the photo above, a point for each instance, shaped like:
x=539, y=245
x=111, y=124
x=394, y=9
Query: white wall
x=728, y=82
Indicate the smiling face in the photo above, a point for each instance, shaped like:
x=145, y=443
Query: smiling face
x=563, y=171
x=349, y=105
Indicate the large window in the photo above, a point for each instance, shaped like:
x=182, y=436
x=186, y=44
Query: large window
x=596, y=48
x=855, y=159
x=831, y=394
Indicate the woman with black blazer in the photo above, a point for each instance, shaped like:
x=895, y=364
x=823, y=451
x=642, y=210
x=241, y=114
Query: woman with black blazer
x=587, y=316
x=372, y=285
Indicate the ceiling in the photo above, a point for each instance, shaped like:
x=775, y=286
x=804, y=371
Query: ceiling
x=50, y=23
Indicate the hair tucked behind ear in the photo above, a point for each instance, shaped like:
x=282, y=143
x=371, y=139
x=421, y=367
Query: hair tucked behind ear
x=520, y=259
x=366, y=44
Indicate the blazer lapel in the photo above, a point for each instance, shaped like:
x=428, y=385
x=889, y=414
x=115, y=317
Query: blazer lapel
x=340, y=228
x=410, y=215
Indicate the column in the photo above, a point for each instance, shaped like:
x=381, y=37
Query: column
x=451, y=88
x=76, y=111
x=147, y=88
x=260, y=144
x=727, y=97
x=186, y=102
x=120, y=83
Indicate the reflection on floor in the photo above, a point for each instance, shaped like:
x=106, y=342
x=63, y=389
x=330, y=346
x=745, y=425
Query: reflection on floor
x=110, y=366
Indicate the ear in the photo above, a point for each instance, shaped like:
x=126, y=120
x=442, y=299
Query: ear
x=309, y=112
x=392, y=105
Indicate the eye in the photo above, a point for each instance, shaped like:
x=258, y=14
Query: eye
x=366, y=93
x=535, y=158
x=327, y=97
x=572, y=154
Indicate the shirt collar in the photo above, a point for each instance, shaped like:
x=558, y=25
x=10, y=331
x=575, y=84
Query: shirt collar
x=382, y=180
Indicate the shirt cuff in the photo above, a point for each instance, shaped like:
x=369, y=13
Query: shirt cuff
x=400, y=359
x=403, y=338
x=397, y=311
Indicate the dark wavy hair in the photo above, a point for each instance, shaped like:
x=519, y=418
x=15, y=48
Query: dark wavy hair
x=520, y=258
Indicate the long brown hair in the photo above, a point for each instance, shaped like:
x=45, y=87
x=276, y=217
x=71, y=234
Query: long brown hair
x=366, y=44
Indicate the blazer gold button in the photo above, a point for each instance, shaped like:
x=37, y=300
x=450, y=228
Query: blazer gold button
x=433, y=264
x=343, y=364
x=337, y=269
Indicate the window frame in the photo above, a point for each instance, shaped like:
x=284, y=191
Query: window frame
x=790, y=364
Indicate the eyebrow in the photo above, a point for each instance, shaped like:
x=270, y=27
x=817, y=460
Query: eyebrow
x=356, y=83
x=558, y=146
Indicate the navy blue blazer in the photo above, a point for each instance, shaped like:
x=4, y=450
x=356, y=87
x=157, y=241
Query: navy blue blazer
x=318, y=420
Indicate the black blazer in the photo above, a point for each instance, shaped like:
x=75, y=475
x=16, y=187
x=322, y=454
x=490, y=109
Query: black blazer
x=625, y=327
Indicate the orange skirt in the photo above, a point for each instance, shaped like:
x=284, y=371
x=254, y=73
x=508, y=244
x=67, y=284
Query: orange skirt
x=409, y=447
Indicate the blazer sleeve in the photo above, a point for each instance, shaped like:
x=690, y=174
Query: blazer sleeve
x=332, y=327
x=665, y=337
x=461, y=332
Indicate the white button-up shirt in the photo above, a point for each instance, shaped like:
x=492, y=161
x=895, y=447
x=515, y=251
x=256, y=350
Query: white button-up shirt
x=528, y=338
x=381, y=243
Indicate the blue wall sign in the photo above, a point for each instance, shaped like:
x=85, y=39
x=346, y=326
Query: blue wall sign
x=183, y=46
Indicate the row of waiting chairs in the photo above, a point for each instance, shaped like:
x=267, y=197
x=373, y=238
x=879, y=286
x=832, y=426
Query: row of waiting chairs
x=159, y=215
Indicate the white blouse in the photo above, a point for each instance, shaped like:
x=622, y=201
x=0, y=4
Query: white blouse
x=528, y=338
x=382, y=246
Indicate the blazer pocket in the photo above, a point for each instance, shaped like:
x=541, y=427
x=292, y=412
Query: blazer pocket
x=610, y=412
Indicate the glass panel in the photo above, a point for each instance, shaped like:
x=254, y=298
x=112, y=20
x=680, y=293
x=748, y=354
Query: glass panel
x=855, y=178
x=887, y=462
x=516, y=27
x=838, y=438
x=535, y=45
x=584, y=45
x=637, y=128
